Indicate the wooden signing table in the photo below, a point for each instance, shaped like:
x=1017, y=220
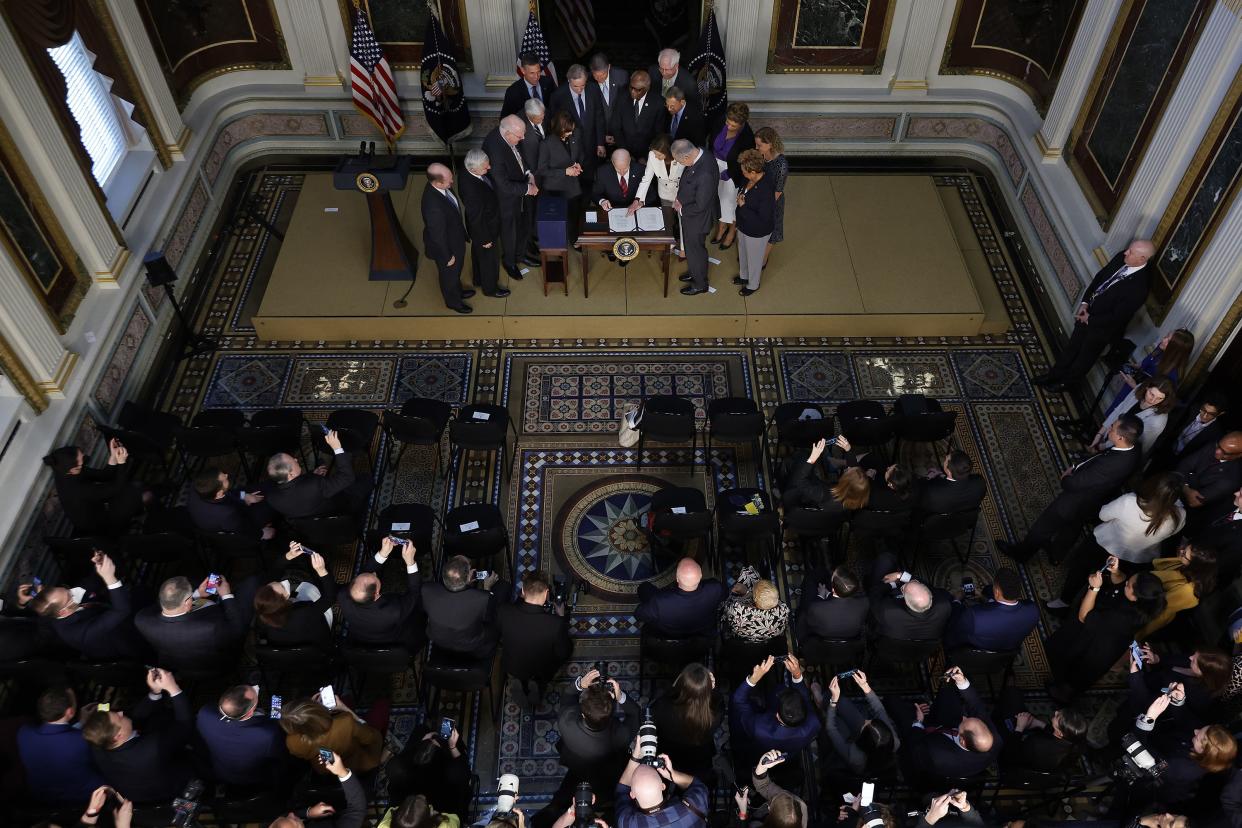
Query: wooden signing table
x=597, y=236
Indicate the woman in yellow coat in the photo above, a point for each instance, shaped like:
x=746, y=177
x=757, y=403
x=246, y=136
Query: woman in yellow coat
x=1186, y=578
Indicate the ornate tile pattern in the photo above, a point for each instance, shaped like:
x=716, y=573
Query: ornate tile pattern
x=247, y=381
x=439, y=376
x=889, y=375
x=818, y=376
x=113, y=379
x=341, y=381
x=1023, y=466
x=978, y=130
x=992, y=374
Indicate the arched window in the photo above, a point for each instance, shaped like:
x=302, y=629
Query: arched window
x=107, y=130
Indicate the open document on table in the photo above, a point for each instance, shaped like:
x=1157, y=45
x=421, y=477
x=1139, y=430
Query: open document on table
x=647, y=218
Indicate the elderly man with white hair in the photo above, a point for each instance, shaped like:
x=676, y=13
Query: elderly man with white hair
x=515, y=186
x=618, y=188
x=482, y=209
x=668, y=73
x=697, y=204
x=905, y=608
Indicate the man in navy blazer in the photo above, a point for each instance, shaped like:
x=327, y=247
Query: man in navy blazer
x=58, y=763
x=247, y=749
x=784, y=719
x=1000, y=623
x=684, y=609
x=955, y=737
x=95, y=629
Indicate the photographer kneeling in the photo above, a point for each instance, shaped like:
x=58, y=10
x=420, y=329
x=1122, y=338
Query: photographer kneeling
x=658, y=796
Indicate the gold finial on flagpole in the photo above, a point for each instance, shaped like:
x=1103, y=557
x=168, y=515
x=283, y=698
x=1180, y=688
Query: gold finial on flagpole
x=357, y=5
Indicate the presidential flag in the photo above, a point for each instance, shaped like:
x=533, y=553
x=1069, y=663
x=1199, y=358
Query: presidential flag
x=444, y=104
x=708, y=69
x=375, y=91
x=578, y=20
x=532, y=41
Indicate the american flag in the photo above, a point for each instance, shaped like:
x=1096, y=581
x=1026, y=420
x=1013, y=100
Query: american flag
x=578, y=19
x=375, y=91
x=532, y=41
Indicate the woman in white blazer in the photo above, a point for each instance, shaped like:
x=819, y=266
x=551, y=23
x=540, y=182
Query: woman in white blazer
x=1153, y=399
x=667, y=173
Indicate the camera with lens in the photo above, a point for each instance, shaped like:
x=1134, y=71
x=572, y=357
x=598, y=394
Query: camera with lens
x=1138, y=764
x=649, y=743
x=506, y=794
x=185, y=807
x=584, y=806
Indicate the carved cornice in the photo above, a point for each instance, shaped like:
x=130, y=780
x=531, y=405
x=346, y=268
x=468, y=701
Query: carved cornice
x=20, y=377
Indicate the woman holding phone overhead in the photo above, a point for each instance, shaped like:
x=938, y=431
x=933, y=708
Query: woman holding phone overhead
x=311, y=726
x=293, y=612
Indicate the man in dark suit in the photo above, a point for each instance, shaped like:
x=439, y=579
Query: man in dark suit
x=323, y=815
x=1224, y=535
x=1116, y=293
x=515, y=190
x=684, y=609
x=782, y=718
x=668, y=72
x=596, y=725
x=953, y=489
x=198, y=639
x=246, y=748
x=955, y=737
x=533, y=84
x=610, y=84
x=588, y=113
x=1209, y=476
x=328, y=490
x=1085, y=487
x=482, y=223
x=1033, y=744
x=461, y=617
x=376, y=618
x=444, y=236
x=697, y=204
x=1002, y=622
x=57, y=760
x=214, y=506
x=904, y=608
x=685, y=118
x=1205, y=428
x=617, y=186
x=639, y=117
x=145, y=757
x=533, y=116
x=95, y=629
x=534, y=639
x=833, y=606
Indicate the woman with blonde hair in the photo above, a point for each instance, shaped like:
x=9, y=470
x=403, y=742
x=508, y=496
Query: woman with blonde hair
x=806, y=490
x=1168, y=358
x=311, y=727
x=775, y=167
x=754, y=612
x=727, y=146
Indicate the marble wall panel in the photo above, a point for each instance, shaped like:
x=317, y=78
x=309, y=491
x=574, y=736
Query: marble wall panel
x=828, y=35
x=400, y=26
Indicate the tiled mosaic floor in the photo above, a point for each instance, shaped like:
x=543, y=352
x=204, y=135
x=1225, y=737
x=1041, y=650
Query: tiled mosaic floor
x=565, y=399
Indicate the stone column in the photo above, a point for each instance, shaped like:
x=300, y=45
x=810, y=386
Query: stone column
x=745, y=33
x=75, y=199
x=307, y=31
x=493, y=44
x=919, y=41
x=142, y=57
x=29, y=335
x=1080, y=66
x=1208, y=74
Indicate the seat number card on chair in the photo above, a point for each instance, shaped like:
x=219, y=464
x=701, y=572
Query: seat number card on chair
x=401, y=527
x=469, y=527
x=678, y=510
x=481, y=415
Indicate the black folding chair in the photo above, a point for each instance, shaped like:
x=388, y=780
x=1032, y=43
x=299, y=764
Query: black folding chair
x=446, y=670
x=817, y=525
x=866, y=425
x=668, y=419
x=209, y=435
x=271, y=431
x=949, y=526
x=690, y=521
x=481, y=427
x=800, y=424
x=922, y=420
x=477, y=530
x=900, y=655
x=674, y=653
x=736, y=420
x=420, y=422
x=356, y=428
x=365, y=659
x=735, y=523
x=832, y=655
x=976, y=661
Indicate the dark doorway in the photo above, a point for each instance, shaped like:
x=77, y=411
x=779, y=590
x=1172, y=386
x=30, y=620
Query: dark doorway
x=630, y=32
x=1226, y=376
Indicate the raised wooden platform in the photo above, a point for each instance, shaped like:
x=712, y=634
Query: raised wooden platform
x=864, y=255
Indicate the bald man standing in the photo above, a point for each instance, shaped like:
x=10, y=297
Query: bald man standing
x=1107, y=306
x=444, y=235
x=684, y=609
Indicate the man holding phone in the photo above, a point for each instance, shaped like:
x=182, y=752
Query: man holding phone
x=460, y=616
x=953, y=737
x=378, y=618
x=323, y=815
x=781, y=718
x=1001, y=622
x=327, y=490
x=197, y=639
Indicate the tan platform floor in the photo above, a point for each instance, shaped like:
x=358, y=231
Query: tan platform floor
x=877, y=255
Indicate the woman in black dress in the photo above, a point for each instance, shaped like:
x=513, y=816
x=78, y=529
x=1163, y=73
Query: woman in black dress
x=687, y=718
x=1112, y=610
x=285, y=620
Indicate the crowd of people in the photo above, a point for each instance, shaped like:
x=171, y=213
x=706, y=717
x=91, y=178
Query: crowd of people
x=607, y=139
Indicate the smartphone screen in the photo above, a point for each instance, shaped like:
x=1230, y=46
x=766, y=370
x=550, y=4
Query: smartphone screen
x=446, y=728
x=968, y=586
x=327, y=697
x=1137, y=652
x=325, y=755
x=868, y=791
x=275, y=707
x=213, y=583
x=481, y=575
